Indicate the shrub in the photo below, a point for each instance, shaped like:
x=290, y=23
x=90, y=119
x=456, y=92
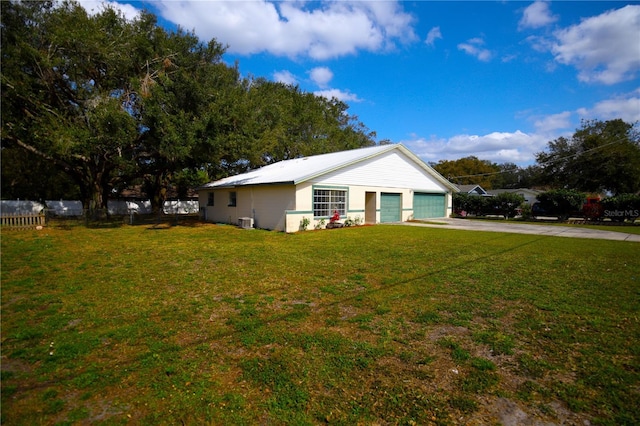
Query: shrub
x=507, y=203
x=627, y=205
x=526, y=212
x=460, y=202
x=622, y=202
x=475, y=205
x=561, y=202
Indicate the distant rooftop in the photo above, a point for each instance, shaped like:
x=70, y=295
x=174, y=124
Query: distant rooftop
x=472, y=189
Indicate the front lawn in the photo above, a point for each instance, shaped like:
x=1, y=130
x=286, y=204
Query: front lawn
x=209, y=324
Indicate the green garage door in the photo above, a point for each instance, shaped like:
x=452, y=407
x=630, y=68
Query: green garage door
x=428, y=205
x=390, y=207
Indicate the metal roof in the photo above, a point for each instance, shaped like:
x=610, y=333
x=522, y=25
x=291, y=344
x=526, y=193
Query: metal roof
x=298, y=170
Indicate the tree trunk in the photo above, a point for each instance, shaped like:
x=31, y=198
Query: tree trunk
x=159, y=195
x=97, y=193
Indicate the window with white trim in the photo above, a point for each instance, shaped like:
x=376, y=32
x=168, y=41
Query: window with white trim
x=326, y=201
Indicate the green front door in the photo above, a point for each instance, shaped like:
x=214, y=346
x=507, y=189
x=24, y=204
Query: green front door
x=428, y=205
x=390, y=207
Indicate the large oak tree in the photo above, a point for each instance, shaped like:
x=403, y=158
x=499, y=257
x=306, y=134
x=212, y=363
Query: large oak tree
x=66, y=78
x=115, y=102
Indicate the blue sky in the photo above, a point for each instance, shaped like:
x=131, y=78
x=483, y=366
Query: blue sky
x=449, y=79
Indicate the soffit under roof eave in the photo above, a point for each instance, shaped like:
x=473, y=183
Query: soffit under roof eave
x=246, y=185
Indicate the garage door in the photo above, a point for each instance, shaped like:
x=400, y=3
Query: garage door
x=428, y=205
x=390, y=206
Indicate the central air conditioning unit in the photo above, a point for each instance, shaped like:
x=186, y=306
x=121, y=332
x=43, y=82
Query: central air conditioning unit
x=245, y=222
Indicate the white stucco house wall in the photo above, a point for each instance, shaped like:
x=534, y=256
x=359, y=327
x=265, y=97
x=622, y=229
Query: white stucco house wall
x=383, y=183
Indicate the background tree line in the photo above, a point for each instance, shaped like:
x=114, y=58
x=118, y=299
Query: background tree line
x=95, y=104
x=600, y=157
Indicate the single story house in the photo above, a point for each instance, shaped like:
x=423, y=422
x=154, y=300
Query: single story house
x=382, y=183
x=530, y=195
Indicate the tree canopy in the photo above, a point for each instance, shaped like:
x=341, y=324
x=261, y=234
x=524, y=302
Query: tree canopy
x=113, y=103
x=601, y=156
x=468, y=171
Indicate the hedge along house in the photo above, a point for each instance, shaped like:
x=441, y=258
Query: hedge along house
x=384, y=183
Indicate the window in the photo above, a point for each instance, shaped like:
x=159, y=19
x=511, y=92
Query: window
x=210, y=199
x=326, y=201
x=232, y=199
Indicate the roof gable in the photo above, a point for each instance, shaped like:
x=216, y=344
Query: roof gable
x=299, y=170
x=473, y=189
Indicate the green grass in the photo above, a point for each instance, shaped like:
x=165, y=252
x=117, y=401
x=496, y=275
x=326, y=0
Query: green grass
x=205, y=324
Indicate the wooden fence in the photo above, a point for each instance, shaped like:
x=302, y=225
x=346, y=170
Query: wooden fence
x=22, y=220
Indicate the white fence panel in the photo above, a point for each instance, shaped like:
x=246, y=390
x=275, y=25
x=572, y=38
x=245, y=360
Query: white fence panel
x=122, y=207
x=115, y=207
x=20, y=207
x=65, y=207
x=181, y=207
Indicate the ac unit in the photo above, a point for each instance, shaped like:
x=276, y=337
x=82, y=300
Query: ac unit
x=245, y=222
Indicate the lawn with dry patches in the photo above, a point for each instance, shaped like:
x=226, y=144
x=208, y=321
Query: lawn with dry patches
x=372, y=325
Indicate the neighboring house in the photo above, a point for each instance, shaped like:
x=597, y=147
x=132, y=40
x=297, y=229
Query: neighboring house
x=530, y=195
x=384, y=183
x=474, y=190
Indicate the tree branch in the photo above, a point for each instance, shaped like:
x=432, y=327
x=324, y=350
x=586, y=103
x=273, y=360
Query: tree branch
x=57, y=161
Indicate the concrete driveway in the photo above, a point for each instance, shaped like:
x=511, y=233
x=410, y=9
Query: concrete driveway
x=521, y=228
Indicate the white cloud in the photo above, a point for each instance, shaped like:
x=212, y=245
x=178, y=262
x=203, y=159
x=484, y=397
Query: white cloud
x=474, y=47
x=321, y=76
x=520, y=147
x=338, y=94
x=540, y=44
x=626, y=108
x=433, y=35
x=499, y=147
x=93, y=7
x=332, y=29
x=604, y=48
x=285, y=77
x=552, y=123
x=393, y=21
x=537, y=15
